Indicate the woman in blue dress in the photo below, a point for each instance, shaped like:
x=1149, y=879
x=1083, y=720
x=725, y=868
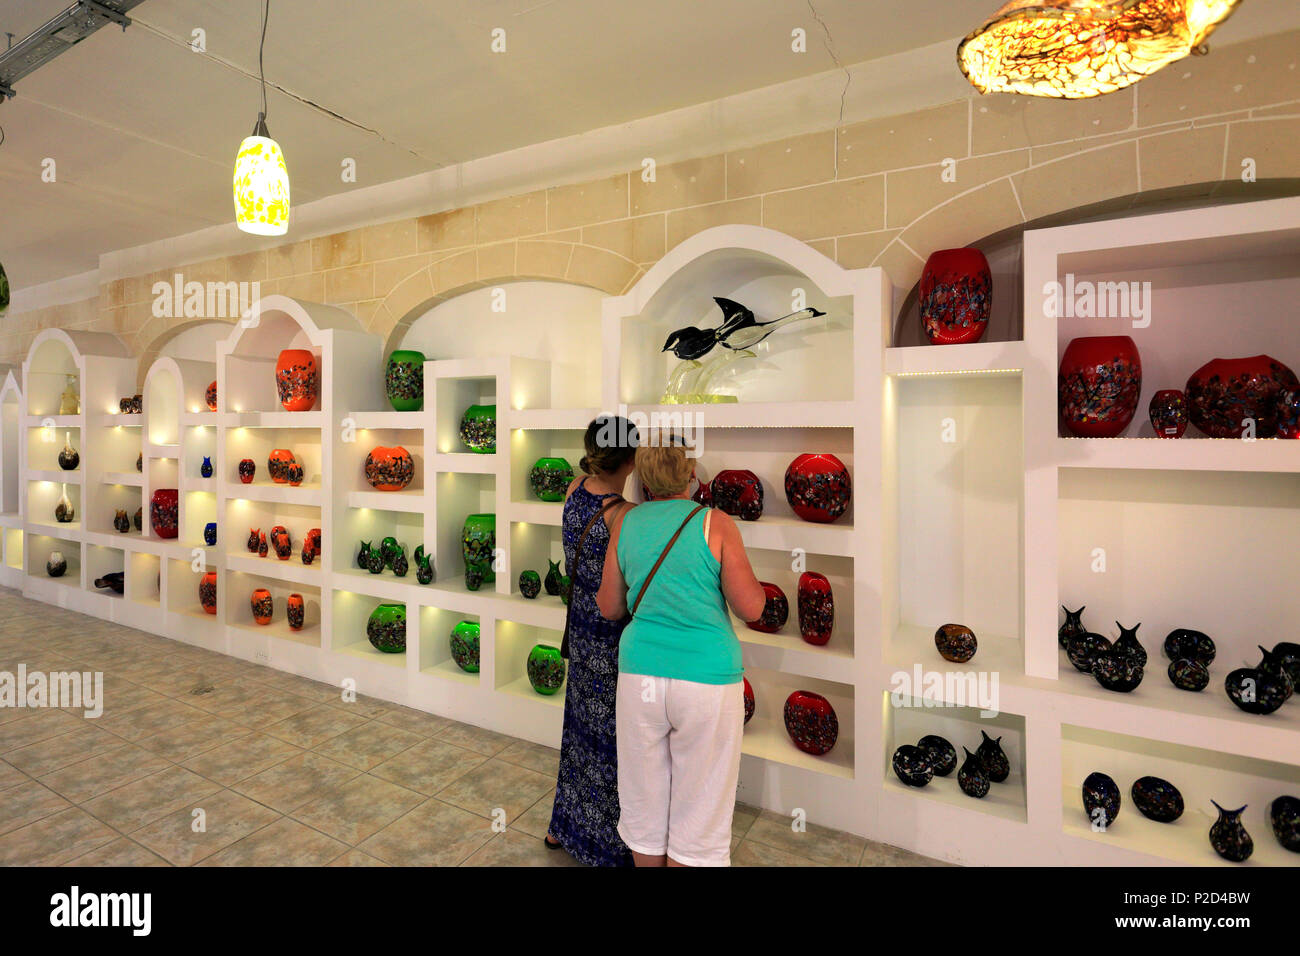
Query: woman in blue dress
x=585, y=819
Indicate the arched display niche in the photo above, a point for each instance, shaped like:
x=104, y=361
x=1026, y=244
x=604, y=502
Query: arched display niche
x=770, y=273
x=11, y=521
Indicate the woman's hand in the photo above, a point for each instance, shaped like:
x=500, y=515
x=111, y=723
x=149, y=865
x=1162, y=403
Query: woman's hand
x=612, y=596
x=739, y=585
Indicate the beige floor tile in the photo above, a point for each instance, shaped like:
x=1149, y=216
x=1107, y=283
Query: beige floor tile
x=285, y=842
x=240, y=759
x=36, y=726
x=482, y=741
x=743, y=819
x=103, y=772
x=536, y=820
x=183, y=839
x=54, y=839
x=226, y=696
x=513, y=848
x=749, y=853
x=50, y=755
x=497, y=785
x=367, y=707
x=822, y=844
x=524, y=753
x=121, y=852
x=270, y=707
x=429, y=766
x=368, y=745
x=135, y=725
x=313, y=727
x=128, y=808
x=882, y=854
x=355, y=810
x=298, y=780
x=357, y=858
x=433, y=834
x=11, y=776
x=194, y=737
x=414, y=721
x=27, y=803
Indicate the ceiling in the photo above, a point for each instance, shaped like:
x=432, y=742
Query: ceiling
x=144, y=131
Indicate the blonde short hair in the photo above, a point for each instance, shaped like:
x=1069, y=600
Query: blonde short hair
x=664, y=469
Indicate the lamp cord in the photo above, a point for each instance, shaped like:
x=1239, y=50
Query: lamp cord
x=261, y=70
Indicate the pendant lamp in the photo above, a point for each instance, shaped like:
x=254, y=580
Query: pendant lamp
x=1074, y=49
x=261, y=176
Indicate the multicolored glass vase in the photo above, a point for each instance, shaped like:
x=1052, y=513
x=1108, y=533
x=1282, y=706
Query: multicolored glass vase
x=296, y=380
x=210, y=396
x=816, y=608
x=1229, y=838
x=247, y=469
x=386, y=628
x=404, y=380
x=739, y=493
x=545, y=669
x=1168, y=412
x=818, y=487
x=1157, y=799
x=69, y=459
x=163, y=512
x=262, y=605
x=811, y=722
x=530, y=584
x=277, y=464
x=750, y=701
x=295, y=610
x=208, y=592
x=776, y=610
x=549, y=478
x=1234, y=398
x=478, y=540
x=955, y=643
x=389, y=469
x=955, y=296
x=1098, y=385
x=1288, y=413
x=478, y=429
x=464, y=646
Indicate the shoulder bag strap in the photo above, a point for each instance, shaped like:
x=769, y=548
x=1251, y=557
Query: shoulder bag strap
x=577, y=554
x=668, y=547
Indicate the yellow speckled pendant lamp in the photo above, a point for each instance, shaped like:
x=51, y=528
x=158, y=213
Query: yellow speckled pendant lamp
x=261, y=176
x=1074, y=49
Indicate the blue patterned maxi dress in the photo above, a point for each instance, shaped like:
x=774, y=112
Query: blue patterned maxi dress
x=585, y=819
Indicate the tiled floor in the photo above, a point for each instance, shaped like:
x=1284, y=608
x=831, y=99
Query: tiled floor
x=201, y=759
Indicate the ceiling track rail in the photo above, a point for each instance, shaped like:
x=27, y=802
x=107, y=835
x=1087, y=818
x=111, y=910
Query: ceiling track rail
x=64, y=31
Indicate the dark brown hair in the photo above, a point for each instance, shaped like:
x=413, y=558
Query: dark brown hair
x=611, y=442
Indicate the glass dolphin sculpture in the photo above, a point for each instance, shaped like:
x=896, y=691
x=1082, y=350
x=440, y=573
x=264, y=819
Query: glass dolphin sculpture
x=739, y=330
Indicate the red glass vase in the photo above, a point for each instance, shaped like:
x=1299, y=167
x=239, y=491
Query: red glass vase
x=389, y=469
x=208, y=592
x=277, y=465
x=1098, y=385
x=1168, y=411
x=296, y=381
x=955, y=296
x=749, y=700
x=816, y=608
x=163, y=510
x=247, y=469
x=296, y=612
x=776, y=610
x=818, y=487
x=1288, y=413
x=811, y=722
x=210, y=397
x=1224, y=396
x=739, y=493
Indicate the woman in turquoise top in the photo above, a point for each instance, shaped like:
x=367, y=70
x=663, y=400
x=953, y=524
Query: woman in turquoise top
x=680, y=702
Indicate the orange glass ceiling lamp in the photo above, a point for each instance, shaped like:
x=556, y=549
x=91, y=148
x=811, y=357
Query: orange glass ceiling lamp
x=1074, y=49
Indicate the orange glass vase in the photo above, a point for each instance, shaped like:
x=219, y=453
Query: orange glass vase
x=277, y=465
x=262, y=605
x=389, y=469
x=296, y=381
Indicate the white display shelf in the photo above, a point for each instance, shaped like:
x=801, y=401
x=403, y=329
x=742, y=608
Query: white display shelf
x=53, y=421
x=368, y=652
x=450, y=670
x=783, y=533
x=827, y=414
x=522, y=689
x=469, y=463
x=388, y=419
x=305, y=494
x=1005, y=800
x=56, y=477
x=979, y=358
x=130, y=478
x=537, y=512
x=272, y=567
x=310, y=635
x=117, y=420
x=767, y=740
x=1182, y=454
x=407, y=500
x=549, y=418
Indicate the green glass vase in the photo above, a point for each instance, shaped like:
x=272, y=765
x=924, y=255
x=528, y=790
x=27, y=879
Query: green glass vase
x=404, y=380
x=464, y=646
x=386, y=628
x=478, y=541
x=549, y=478
x=478, y=429
x=545, y=669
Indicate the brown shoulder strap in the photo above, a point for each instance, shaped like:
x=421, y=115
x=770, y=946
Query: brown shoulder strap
x=668, y=547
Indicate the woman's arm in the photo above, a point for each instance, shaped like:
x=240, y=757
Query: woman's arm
x=739, y=585
x=612, y=596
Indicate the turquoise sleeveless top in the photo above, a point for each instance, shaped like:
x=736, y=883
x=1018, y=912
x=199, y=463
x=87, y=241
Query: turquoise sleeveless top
x=681, y=629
